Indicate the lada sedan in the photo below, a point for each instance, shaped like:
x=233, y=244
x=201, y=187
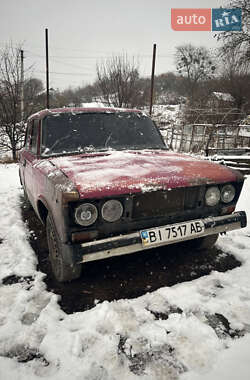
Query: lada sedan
x=104, y=183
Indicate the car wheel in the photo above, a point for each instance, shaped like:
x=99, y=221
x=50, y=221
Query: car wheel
x=62, y=271
x=205, y=242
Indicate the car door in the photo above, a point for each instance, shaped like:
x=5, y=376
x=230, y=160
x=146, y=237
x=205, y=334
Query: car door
x=29, y=158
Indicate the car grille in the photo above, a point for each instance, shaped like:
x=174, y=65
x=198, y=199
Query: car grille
x=160, y=203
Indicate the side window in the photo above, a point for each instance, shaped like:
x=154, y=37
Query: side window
x=34, y=135
x=28, y=135
x=31, y=137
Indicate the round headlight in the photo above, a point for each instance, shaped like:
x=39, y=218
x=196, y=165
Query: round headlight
x=227, y=193
x=212, y=196
x=86, y=214
x=112, y=210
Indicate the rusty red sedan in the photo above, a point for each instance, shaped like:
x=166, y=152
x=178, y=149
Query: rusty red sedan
x=104, y=183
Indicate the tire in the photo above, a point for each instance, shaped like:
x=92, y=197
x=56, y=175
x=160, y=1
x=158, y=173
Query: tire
x=61, y=270
x=205, y=242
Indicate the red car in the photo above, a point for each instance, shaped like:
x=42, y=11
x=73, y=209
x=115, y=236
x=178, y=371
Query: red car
x=104, y=184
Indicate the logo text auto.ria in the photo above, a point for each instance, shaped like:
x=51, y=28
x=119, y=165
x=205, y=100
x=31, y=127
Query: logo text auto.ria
x=206, y=19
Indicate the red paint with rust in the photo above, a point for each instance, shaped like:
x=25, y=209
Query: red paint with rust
x=125, y=172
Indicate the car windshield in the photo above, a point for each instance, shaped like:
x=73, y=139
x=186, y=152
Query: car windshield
x=86, y=132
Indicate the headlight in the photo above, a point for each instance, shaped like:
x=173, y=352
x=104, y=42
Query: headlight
x=227, y=193
x=86, y=214
x=112, y=210
x=212, y=196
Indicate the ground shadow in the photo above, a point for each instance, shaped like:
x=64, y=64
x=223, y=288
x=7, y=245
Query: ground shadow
x=127, y=276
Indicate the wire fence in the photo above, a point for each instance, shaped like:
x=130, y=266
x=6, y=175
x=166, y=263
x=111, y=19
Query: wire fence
x=200, y=138
x=240, y=163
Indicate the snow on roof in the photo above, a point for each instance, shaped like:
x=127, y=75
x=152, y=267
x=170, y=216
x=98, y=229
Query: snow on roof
x=93, y=105
x=45, y=112
x=226, y=97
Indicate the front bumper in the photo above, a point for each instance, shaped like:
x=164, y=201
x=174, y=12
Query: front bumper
x=125, y=244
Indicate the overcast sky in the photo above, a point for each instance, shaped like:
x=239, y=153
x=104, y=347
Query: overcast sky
x=82, y=33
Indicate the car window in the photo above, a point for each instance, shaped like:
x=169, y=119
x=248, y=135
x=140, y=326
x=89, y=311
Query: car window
x=26, y=138
x=68, y=133
x=28, y=135
x=34, y=135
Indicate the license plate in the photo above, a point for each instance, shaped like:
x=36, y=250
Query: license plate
x=172, y=232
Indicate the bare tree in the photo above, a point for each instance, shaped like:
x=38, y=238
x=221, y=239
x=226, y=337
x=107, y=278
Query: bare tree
x=33, y=89
x=11, y=125
x=240, y=41
x=12, y=119
x=235, y=77
x=118, y=78
x=194, y=64
x=235, y=54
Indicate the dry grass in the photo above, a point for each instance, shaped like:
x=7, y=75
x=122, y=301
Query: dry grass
x=7, y=160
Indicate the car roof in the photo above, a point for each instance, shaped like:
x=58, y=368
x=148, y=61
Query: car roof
x=41, y=114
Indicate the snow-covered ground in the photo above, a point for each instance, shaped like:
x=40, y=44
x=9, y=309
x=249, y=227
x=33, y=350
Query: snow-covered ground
x=121, y=340
x=167, y=114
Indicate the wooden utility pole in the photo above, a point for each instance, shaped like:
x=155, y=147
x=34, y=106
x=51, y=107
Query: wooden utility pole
x=22, y=86
x=152, y=80
x=47, y=68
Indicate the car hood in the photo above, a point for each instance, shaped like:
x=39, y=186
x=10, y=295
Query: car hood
x=112, y=173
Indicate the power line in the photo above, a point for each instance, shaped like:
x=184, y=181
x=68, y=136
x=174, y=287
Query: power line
x=139, y=55
x=70, y=64
x=58, y=61
x=111, y=56
x=57, y=73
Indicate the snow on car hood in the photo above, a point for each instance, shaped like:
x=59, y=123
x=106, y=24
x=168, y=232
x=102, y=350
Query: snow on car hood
x=111, y=173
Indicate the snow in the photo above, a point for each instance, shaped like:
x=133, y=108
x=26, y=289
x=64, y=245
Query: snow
x=124, y=169
x=94, y=105
x=120, y=339
x=167, y=114
x=232, y=157
x=226, y=367
x=226, y=97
